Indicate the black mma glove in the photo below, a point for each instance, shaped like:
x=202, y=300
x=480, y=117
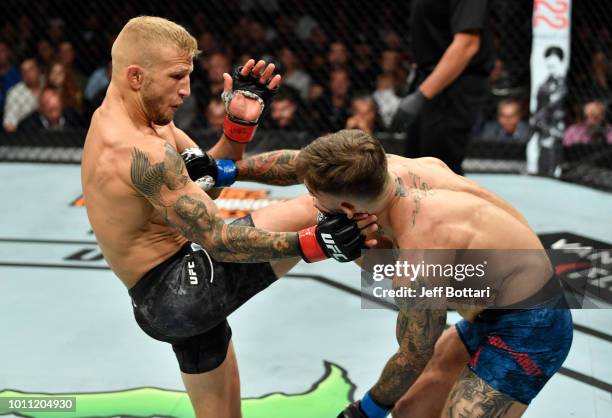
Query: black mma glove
x=365, y=408
x=237, y=129
x=353, y=410
x=409, y=109
x=207, y=172
x=335, y=236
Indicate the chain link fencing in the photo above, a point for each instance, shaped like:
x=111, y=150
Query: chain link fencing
x=344, y=64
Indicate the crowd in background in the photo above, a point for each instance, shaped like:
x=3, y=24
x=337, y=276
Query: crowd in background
x=346, y=67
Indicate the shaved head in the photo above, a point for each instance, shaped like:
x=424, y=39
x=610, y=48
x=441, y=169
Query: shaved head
x=143, y=41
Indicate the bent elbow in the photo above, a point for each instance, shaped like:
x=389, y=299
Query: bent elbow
x=472, y=46
x=469, y=42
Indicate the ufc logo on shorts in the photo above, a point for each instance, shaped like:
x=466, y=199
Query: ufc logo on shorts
x=331, y=244
x=193, y=276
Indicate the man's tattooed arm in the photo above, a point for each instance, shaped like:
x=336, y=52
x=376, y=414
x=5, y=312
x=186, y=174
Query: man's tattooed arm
x=184, y=206
x=417, y=332
x=276, y=167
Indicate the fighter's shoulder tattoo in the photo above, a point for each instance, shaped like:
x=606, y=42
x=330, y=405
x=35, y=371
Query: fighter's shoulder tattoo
x=400, y=190
x=197, y=218
x=149, y=178
x=417, y=189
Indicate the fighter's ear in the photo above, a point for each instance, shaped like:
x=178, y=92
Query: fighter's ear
x=348, y=209
x=135, y=77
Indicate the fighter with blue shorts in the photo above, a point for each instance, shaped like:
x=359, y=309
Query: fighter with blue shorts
x=512, y=341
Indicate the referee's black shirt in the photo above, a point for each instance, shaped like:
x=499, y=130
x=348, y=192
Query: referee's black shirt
x=433, y=24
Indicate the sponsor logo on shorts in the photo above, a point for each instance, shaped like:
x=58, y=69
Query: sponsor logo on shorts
x=193, y=276
x=196, y=247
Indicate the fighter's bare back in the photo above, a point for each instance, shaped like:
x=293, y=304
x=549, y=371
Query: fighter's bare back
x=442, y=210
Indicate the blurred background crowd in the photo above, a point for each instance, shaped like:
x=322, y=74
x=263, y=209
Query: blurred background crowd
x=345, y=63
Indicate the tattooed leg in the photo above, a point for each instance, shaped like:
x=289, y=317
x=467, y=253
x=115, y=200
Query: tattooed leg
x=474, y=398
x=292, y=215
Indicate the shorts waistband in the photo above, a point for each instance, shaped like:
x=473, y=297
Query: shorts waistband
x=141, y=287
x=550, y=296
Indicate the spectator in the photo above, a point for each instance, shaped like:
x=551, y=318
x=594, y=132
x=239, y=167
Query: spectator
x=45, y=55
x=364, y=115
x=66, y=55
x=364, y=69
x=499, y=79
x=200, y=23
x=316, y=60
x=392, y=41
x=601, y=70
x=337, y=55
x=391, y=63
x=61, y=80
x=207, y=43
x=9, y=73
x=305, y=24
x=239, y=36
x=26, y=35
x=598, y=79
x=22, y=99
x=97, y=82
x=293, y=75
x=93, y=43
x=499, y=88
x=212, y=118
x=509, y=127
x=259, y=38
x=50, y=115
x=217, y=64
x=215, y=114
x=206, y=83
x=594, y=129
x=331, y=110
x=285, y=112
x=8, y=32
x=386, y=99
x=55, y=31
x=285, y=34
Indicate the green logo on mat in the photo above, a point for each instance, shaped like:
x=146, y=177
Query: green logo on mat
x=326, y=398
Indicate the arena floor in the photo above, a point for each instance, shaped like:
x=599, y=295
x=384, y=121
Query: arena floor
x=305, y=347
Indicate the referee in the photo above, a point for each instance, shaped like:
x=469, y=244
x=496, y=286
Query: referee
x=453, y=48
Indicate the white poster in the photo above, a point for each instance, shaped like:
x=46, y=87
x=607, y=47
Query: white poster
x=550, y=58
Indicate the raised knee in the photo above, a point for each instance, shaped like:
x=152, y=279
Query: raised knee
x=401, y=408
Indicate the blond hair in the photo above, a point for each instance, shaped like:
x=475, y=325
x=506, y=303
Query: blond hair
x=350, y=163
x=141, y=38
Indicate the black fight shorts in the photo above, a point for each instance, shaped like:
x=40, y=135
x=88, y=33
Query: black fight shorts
x=186, y=299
